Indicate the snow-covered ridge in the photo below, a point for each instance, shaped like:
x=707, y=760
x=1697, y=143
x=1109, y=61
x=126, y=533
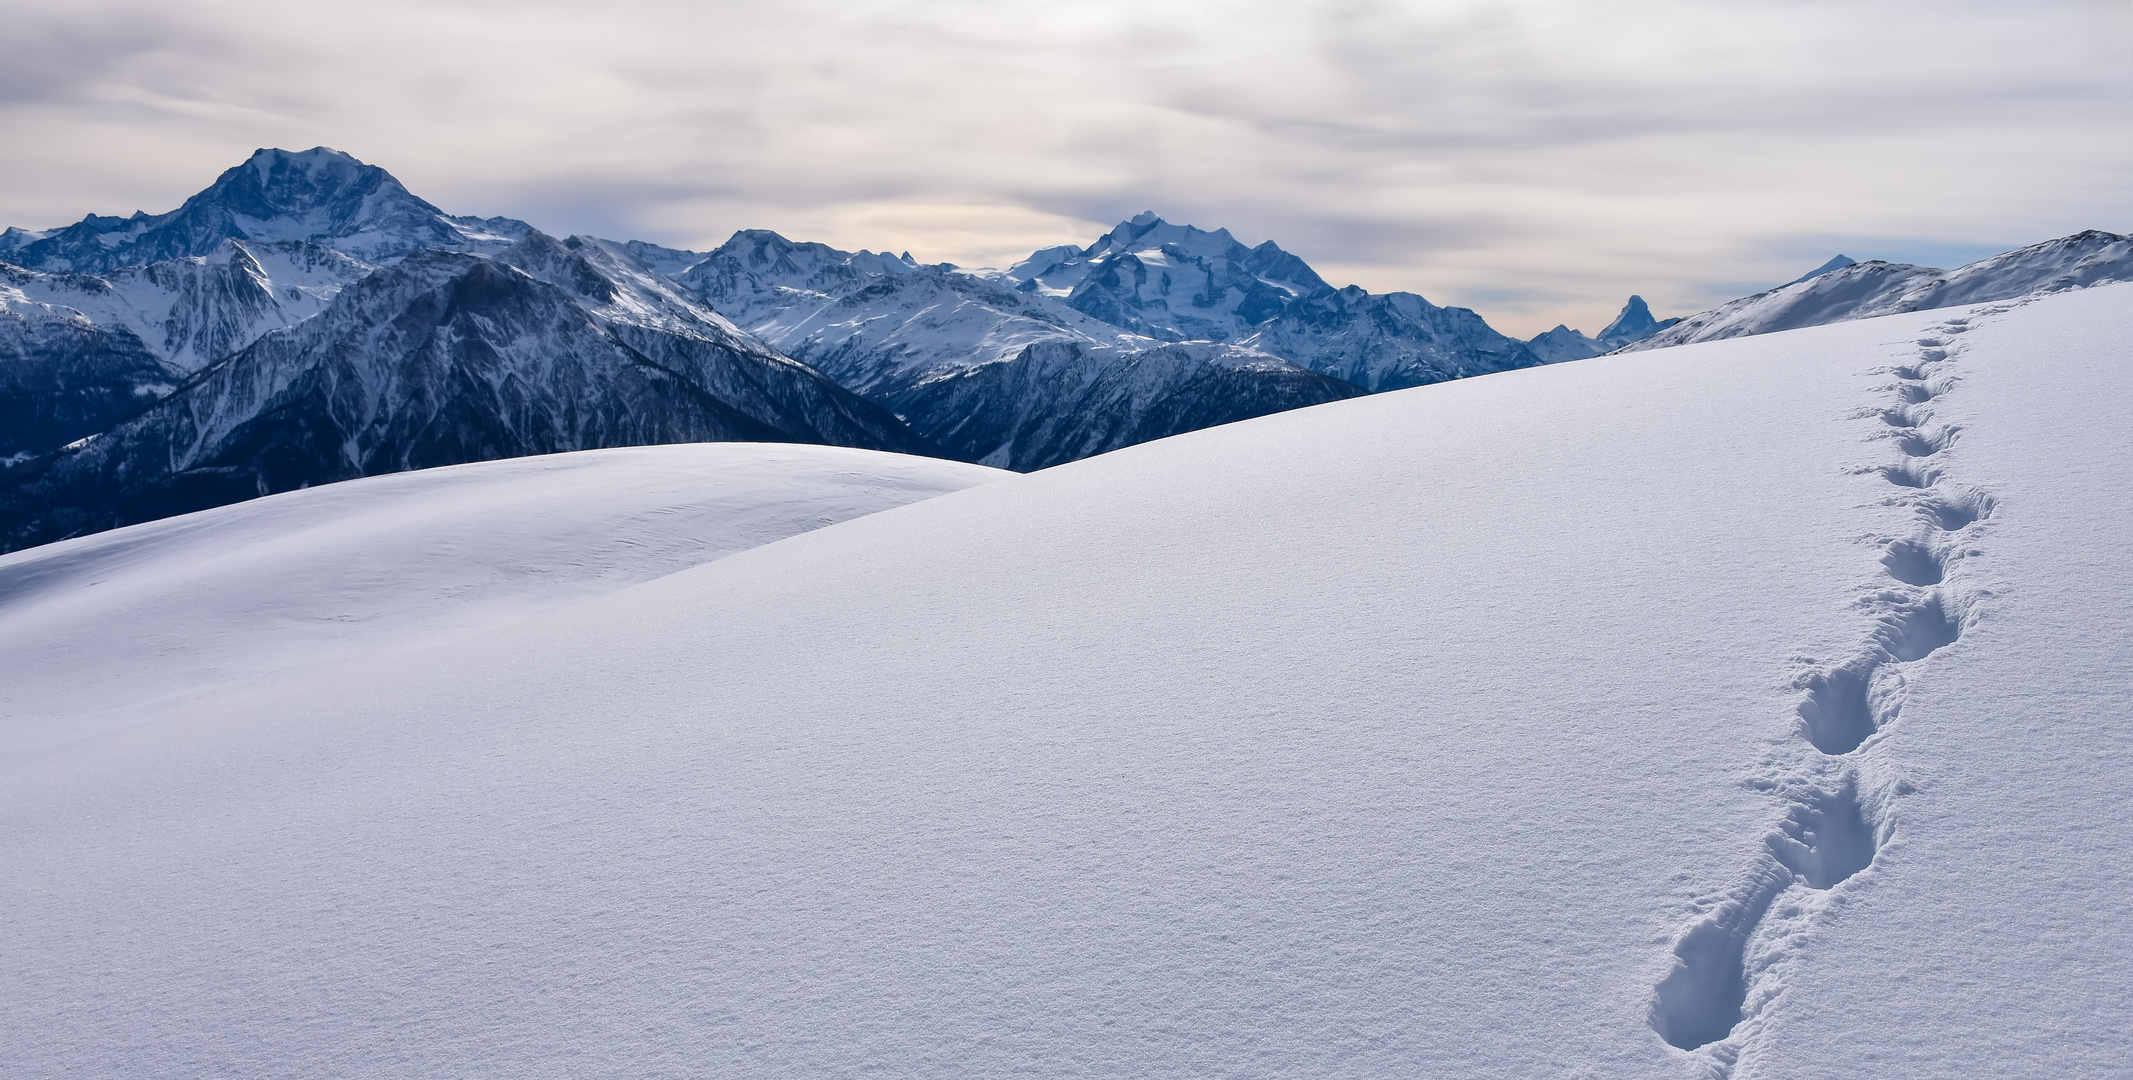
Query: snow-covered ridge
x=321, y=578
x=1869, y=289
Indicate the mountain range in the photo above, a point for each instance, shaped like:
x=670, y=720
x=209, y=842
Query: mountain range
x=307, y=319
x=442, y=358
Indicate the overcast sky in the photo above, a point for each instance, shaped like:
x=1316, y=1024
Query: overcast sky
x=1537, y=161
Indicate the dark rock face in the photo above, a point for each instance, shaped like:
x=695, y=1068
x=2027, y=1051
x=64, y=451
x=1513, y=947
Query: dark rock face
x=1635, y=323
x=1387, y=341
x=248, y=343
x=444, y=359
x=79, y=353
x=61, y=380
x=1056, y=403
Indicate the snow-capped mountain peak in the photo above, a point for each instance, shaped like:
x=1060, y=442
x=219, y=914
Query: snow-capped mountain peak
x=1838, y=263
x=1635, y=323
x=320, y=195
x=1145, y=231
x=1170, y=282
x=1148, y=239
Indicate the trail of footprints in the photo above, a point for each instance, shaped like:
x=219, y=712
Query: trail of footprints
x=1729, y=963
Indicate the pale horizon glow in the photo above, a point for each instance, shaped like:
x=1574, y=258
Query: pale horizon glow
x=1537, y=161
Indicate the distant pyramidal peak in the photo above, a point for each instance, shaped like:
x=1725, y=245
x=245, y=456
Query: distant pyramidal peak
x=1838, y=263
x=1635, y=323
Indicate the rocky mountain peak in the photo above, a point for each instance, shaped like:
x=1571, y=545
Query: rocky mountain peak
x=1635, y=323
x=317, y=183
x=320, y=195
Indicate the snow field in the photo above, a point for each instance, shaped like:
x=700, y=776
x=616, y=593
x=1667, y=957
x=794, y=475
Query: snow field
x=1840, y=799
x=1658, y=715
x=1994, y=941
x=182, y=607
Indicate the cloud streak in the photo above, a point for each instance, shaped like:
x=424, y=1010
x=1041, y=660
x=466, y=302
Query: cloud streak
x=1536, y=160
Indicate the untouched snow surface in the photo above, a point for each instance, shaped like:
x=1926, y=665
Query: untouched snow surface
x=1751, y=708
x=244, y=594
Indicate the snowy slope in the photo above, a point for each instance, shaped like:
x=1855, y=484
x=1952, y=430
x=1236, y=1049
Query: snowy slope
x=320, y=577
x=1763, y=697
x=1865, y=290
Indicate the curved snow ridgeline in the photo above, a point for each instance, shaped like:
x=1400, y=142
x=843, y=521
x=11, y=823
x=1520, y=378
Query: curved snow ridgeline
x=1749, y=709
x=324, y=577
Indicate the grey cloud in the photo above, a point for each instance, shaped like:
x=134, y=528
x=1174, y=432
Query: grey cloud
x=55, y=53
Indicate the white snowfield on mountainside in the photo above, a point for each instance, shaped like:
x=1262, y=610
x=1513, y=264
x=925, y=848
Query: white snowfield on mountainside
x=1754, y=708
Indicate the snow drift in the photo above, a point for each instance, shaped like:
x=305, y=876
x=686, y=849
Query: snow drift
x=147, y=614
x=1749, y=708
